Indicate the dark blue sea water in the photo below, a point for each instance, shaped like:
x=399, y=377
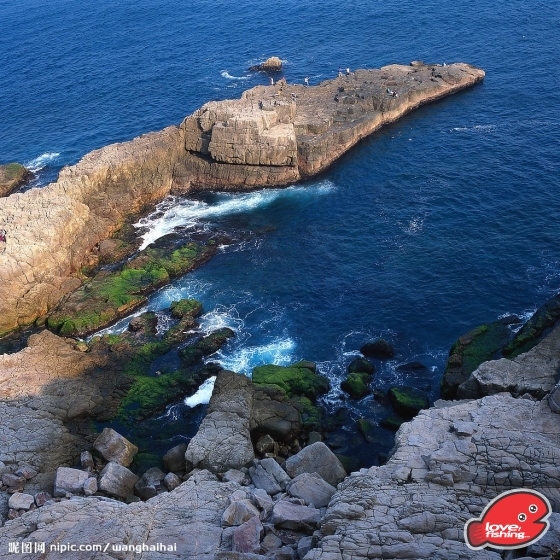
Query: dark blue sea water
x=432, y=226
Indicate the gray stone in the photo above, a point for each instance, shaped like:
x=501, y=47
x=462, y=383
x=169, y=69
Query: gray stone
x=316, y=458
x=285, y=553
x=223, y=440
x=311, y=488
x=114, y=447
x=314, y=437
x=247, y=537
x=90, y=486
x=26, y=472
x=265, y=444
x=21, y=501
x=174, y=459
x=271, y=542
x=171, y=480
x=149, y=483
x=12, y=480
x=86, y=460
x=533, y=372
x=117, y=480
x=69, y=480
x=41, y=498
x=554, y=399
x=238, y=512
x=272, y=467
x=233, y=475
x=297, y=517
x=262, y=500
x=305, y=544
x=264, y=480
x=549, y=544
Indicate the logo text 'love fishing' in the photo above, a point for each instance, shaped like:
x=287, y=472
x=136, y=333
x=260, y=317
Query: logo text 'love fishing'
x=514, y=519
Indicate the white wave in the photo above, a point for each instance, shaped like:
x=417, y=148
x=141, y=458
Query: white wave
x=220, y=317
x=475, y=128
x=228, y=76
x=42, y=161
x=279, y=352
x=202, y=396
x=174, y=212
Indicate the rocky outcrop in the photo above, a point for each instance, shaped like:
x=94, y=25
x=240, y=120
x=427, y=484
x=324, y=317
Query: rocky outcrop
x=271, y=136
x=272, y=64
x=534, y=372
x=12, y=176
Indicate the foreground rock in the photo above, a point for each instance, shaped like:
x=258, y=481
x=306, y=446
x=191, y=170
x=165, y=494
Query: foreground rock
x=115, y=447
x=316, y=458
x=12, y=176
x=269, y=137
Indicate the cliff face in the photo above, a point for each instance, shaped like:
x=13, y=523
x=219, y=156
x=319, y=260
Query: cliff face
x=272, y=136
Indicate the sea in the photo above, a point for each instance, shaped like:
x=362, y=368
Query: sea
x=431, y=226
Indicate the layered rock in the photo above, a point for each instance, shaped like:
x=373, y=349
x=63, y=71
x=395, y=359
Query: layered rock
x=270, y=137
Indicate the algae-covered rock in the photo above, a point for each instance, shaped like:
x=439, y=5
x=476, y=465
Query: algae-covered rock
x=392, y=422
x=110, y=295
x=205, y=346
x=13, y=175
x=361, y=365
x=185, y=307
x=292, y=381
x=470, y=350
x=366, y=427
x=379, y=348
x=356, y=385
x=535, y=329
x=408, y=401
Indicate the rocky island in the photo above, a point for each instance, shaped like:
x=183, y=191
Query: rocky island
x=257, y=481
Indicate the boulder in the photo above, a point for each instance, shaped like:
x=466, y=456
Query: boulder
x=264, y=480
x=554, y=399
x=408, y=401
x=12, y=480
x=114, y=447
x=149, y=483
x=223, y=440
x=86, y=460
x=469, y=351
x=41, y=498
x=12, y=176
x=311, y=488
x=271, y=542
x=265, y=444
x=279, y=419
x=362, y=365
x=90, y=486
x=69, y=481
x=367, y=427
x=26, y=472
x=316, y=458
x=296, y=517
x=379, y=348
x=356, y=385
x=262, y=500
x=534, y=372
x=272, y=467
x=21, y=501
x=233, y=475
x=174, y=459
x=117, y=480
x=238, y=512
x=272, y=64
x=171, y=481
x=247, y=537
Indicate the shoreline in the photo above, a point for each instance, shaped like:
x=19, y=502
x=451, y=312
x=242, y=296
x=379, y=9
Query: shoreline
x=278, y=141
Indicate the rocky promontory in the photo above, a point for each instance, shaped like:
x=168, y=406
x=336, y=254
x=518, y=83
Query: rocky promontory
x=272, y=136
x=12, y=176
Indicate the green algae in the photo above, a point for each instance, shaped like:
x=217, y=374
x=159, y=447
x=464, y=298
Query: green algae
x=356, y=384
x=408, y=401
x=470, y=350
x=185, y=307
x=109, y=296
x=292, y=381
x=535, y=329
x=392, y=422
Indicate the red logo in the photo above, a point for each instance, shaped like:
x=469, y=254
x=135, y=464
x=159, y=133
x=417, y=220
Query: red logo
x=514, y=519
